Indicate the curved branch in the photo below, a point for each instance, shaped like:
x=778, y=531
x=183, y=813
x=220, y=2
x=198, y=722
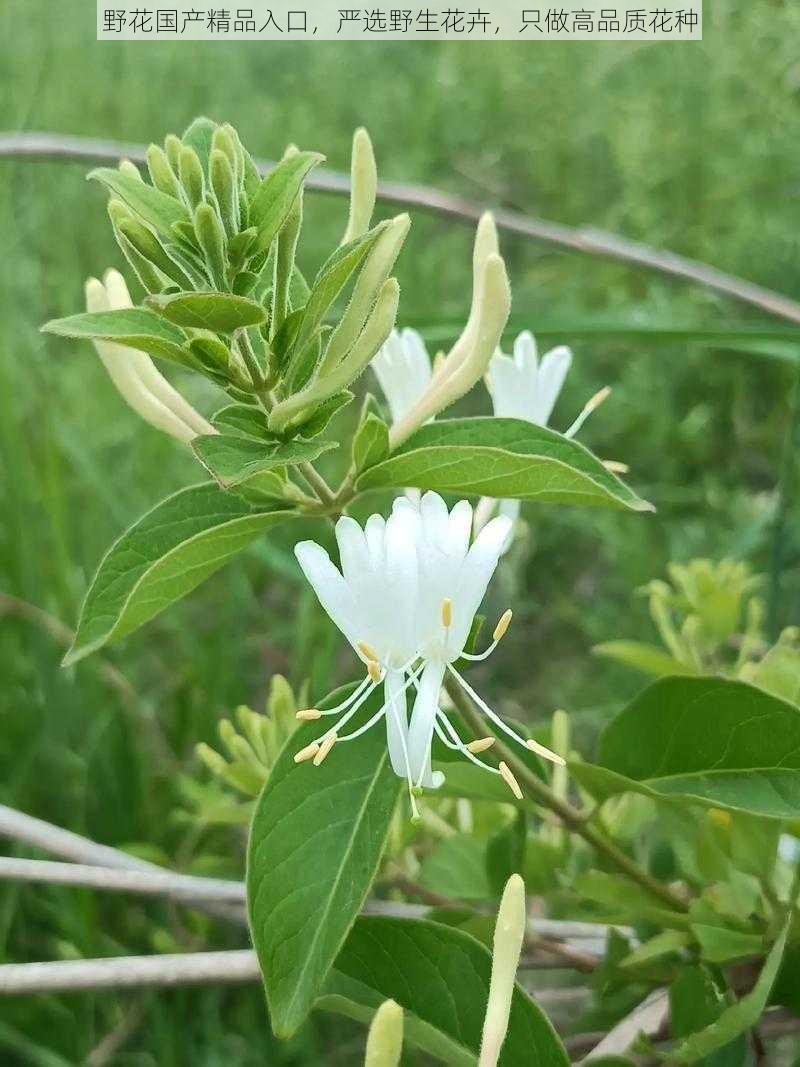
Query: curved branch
x=586, y=240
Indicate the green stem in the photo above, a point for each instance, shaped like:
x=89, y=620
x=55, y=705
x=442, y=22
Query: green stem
x=572, y=818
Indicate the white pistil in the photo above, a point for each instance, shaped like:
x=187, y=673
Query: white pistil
x=591, y=404
x=306, y=753
x=508, y=777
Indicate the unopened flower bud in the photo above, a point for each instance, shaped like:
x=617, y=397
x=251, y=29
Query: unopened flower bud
x=509, y=932
x=385, y=1038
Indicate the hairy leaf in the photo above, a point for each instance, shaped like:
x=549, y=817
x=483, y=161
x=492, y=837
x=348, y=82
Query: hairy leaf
x=233, y=459
x=137, y=328
x=271, y=204
x=501, y=458
x=151, y=205
x=162, y=557
x=440, y=977
x=315, y=843
x=219, y=312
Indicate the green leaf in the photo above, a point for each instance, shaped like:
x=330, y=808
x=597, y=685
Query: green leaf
x=719, y=944
x=137, y=328
x=501, y=458
x=623, y=900
x=457, y=868
x=151, y=205
x=650, y=659
x=737, y=1018
x=272, y=203
x=315, y=844
x=199, y=135
x=233, y=459
x=371, y=442
x=440, y=977
x=663, y=944
x=711, y=741
x=245, y=420
x=321, y=416
x=697, y=998
x=162, y=557
x=219, y=312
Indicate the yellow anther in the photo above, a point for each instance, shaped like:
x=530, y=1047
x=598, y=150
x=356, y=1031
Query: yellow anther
x=615, y=467
x=308, y=715
x=508, y=777
x=367, y=651
x=721, y=818
x=447, y=611
x=598, y=398
x=545, y=753
x=327, y=744
x=503, y=624
x=306, y=753
x=374, y=670
x=480, y=745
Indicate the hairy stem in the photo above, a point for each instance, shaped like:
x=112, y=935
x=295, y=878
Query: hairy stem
x=569, y=815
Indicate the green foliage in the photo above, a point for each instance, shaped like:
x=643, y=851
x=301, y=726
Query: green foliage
x=315, y=844
x=502, y=458
x=161, y=558
x=440, y=977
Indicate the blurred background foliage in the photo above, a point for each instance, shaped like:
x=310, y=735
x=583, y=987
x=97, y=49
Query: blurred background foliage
x=688, y=146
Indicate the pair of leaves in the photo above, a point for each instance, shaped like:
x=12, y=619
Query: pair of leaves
x=711, y=741
x=315, y=845
x=162, y=557
x=501, y=458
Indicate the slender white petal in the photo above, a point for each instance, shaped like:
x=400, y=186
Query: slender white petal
x=403, y=369
x=423, y=716
x=332, y=591
x=549, y=382
x=397, y=723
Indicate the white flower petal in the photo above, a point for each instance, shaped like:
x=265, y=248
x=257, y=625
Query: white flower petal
x=552, y=372
x=332, y=591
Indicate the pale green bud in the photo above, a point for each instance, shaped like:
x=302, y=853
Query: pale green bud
x=130, y=170
x=190, y=171
x=161, y=173
x=377, y=329
x=211, y=238
x=509, y=933
x=172, y=148
x=385, y=1038
x=223, y=182
x=148, y=245
x=373, y=274
x=363, y=186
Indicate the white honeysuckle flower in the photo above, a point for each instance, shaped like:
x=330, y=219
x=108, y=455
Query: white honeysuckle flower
x=523, y=387
x=403, y=369
x=135, y=375
x=405, y=599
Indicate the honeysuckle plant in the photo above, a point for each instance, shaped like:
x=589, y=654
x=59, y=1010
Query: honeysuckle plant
x=705, y=760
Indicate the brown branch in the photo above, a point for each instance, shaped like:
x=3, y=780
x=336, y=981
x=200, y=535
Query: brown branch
x=586, y=240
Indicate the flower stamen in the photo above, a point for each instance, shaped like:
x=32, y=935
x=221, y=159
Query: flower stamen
x=480, y=744
x=374, y=671
x=308, y=715
x=306, y=753
x=545, y=753
x=327, y=744
x=447, y=612
x=615, y=466
x=591, y=405
x=368, y=652
x=503, y=624
x=508, y=777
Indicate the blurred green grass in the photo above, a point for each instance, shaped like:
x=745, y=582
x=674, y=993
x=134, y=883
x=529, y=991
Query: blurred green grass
x=689, y=146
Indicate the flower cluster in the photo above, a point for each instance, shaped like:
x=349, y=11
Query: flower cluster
x=405, y=599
